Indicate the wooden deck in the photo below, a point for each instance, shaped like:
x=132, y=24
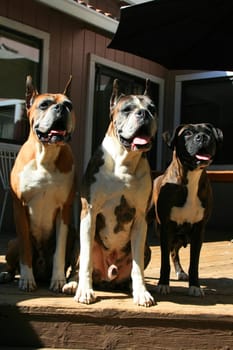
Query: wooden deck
x=177, y=321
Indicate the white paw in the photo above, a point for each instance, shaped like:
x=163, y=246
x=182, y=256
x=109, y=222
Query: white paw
x=56, y=285
x=70, y=287
x=163, y=289
x=196, y=291
x=27, y=285
x=84, y=295
x=182, y=276
x=143, y=298
x=26, y=282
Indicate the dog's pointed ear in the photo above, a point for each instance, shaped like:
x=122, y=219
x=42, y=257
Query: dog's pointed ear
x=68, y=87
x=171, y=139
x=30, y=93
x=115, y=97
x=147, y=87
x=115, y=94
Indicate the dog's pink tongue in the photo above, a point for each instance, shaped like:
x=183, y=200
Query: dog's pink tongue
x=140, y=141
x=57, y=132
x=203, y=156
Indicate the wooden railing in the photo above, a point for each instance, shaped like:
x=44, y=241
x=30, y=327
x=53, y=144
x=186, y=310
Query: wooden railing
x=214, y=175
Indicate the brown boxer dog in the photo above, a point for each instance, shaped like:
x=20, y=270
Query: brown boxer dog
x=183, y=200
x=42, y=184
x=115, y=195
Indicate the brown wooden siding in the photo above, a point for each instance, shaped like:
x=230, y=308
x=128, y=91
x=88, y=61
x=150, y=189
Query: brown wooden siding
x=70, y=44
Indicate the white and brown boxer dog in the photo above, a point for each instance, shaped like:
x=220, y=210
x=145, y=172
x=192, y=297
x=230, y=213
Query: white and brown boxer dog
x=42, y=184
x=183, y=200
x=116, y=193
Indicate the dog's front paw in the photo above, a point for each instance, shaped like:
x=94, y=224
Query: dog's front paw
x=26, y=281
x=143, y=298
x=163, y=289
x=27, y=285
x=70, y=287
x=85, y=295
x=196, y=291
x=56, y=285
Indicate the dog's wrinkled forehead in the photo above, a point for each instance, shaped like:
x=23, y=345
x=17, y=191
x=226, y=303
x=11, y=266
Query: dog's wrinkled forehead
x=131, y=103
x=192, y=129
x=45, y=101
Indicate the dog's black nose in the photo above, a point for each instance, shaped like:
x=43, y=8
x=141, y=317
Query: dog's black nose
x=59, y=107
x=141, y=113
x=201, y=138
x=60, y=110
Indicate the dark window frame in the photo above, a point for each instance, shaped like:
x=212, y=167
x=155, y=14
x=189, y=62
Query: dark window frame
x=208, y=103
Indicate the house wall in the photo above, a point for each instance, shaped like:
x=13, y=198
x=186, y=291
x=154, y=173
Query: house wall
x=71, y=43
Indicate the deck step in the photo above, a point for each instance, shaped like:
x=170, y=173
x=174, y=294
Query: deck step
x=177, y=321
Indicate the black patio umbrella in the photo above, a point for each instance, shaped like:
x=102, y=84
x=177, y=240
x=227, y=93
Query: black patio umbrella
x=179, y=34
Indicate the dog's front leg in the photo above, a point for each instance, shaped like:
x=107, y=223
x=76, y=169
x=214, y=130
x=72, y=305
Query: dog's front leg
x=26, y=280
x=195, y=249
x=163, y=285
x=85, y=293
x=140, y=294
x=58, y=279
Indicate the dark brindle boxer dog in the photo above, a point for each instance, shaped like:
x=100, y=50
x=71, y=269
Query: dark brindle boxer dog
x=42, y=183
x=115, y=195
x=183, y=200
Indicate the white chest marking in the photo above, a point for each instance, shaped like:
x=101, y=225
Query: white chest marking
x=44, y=191
x=193, y=210
x=123, y=174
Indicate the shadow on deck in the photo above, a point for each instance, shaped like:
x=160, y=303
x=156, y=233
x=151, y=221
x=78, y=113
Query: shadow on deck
x=177, y=321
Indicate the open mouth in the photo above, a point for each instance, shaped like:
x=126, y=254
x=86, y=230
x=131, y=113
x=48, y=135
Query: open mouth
x=203, y=157
x=137, y=143
x=52, y=136
x=141, y=143
x=57, y=133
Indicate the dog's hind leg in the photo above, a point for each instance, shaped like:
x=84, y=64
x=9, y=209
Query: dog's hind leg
x=180, y=273
x=72, y=262
x=12, y=259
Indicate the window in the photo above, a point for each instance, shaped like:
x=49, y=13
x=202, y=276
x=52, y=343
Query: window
x=22, y=52
x=131, y=81
x=210, y=99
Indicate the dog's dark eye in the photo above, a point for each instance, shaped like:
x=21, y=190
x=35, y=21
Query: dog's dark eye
x=68, y=105
x=188, y=133
x=152, y=109
x=45, y=104
x=127, y=109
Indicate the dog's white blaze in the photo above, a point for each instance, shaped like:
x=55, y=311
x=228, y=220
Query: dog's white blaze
x=117, y=179
x=193, y=210
x=106, y=204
